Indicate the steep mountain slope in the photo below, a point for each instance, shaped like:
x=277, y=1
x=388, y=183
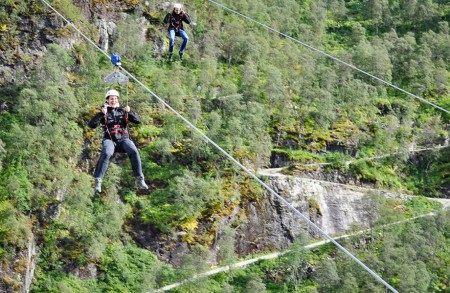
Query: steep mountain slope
x=265, y=100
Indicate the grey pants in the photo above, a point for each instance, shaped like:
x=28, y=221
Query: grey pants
x=108, y=149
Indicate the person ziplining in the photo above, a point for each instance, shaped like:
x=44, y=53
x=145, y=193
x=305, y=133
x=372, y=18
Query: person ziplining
x=175, y=20
x=114, y=119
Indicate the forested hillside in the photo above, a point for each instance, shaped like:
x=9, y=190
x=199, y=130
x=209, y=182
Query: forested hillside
x=265, y=99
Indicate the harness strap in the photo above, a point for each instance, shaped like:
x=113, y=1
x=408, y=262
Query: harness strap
x=107, y=129
x=117, y=130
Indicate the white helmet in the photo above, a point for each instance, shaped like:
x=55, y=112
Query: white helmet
x=112, y=93
x=177, y=5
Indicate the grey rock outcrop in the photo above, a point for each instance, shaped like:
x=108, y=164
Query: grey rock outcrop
x=335, y=208
x=31, y=264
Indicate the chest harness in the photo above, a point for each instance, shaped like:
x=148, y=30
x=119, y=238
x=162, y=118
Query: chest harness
x=177, y=21
x=116, y=126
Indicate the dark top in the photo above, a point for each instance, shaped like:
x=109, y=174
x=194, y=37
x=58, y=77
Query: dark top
x=115, y=127
x=175, y=21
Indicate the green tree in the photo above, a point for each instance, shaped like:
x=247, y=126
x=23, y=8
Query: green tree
x=327, y=276
x=192, y=195
x=437, y=41
x=52, y=69
x=225, y=245
x=413, y=277
x=15, y=228
x=349, y=283
x=426, y=12
x=255, y=284
x=235, y=45
x=421, y=71
x=17, y=185
x=358, y=34
x=250, y=80
x=378, y=12
x=296, y=261
x=337, y=8
x=194, y=263
x=318, y=19
x=374, y=58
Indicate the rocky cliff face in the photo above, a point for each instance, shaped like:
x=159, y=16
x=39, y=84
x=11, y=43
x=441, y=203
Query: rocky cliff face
x=17, y=274
x=335, y=208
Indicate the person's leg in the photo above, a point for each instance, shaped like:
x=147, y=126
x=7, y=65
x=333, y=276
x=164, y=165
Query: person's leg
x=171, y=43
x=185, y=38
x=130, y=148
x=103, y=163
x=133, y=153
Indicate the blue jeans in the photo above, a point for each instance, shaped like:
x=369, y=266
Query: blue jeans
x=180, y=33
x=108, y=149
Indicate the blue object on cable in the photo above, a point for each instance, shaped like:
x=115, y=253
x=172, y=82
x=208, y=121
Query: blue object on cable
x=115, y=59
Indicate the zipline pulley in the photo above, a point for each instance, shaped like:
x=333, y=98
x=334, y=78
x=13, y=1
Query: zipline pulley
x=116, y=75
x=115, y=59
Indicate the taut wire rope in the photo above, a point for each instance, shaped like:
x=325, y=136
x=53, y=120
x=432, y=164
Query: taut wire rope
x=331, y=56
x=307, y=220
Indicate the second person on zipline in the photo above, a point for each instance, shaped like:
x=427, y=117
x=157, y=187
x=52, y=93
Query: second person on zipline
x=175, y=20
x=114, y=119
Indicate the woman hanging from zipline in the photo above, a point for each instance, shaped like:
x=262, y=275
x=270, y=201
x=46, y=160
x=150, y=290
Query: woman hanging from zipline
x=175, y=20
x=114, y=119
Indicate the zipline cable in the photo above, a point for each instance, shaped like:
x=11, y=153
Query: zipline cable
x=330, y=56
x=324, y=234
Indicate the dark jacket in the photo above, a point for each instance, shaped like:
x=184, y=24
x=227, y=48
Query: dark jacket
x=115, y=127
x=175, y=21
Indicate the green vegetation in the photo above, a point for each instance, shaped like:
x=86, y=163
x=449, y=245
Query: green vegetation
x=256, y=94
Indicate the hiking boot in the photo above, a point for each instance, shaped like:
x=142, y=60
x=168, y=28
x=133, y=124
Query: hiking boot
x=170, y=57
x=98, y=185
x=181, y=56
x=141, y=183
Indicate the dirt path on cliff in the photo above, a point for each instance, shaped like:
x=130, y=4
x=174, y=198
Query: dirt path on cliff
x=237, y=265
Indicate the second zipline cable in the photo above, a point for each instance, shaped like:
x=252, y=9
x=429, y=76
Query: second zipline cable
x=331, y=56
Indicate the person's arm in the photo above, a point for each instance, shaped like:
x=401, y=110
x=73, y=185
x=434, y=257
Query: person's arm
x=132, y=116
x=95, y=121
x=167, y=18
x=186, y=18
